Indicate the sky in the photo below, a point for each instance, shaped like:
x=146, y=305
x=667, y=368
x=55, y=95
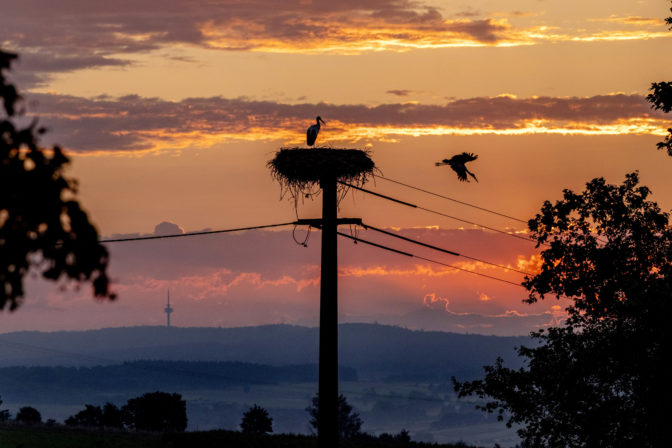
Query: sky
x=170, y=111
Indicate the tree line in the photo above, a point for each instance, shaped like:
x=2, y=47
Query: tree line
x=166, y=412
x=141, y=375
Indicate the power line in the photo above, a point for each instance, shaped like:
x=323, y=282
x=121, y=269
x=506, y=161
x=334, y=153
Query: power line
x=408, y=254
x=207, y=232
x=440, y=249
x=452, y=199
x=408, y=204
x=420, y=243
x=366, y=226
x=529, y=240
x=462, y=202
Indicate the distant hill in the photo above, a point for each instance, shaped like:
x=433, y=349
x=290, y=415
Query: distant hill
x=64, y=384
x=376, y=351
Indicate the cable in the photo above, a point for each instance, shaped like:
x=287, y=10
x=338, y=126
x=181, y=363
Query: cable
x=529, y=240
x=462, y=202
x=207, y=232
x=380, y=246
x=440, y=249
x=452, y=199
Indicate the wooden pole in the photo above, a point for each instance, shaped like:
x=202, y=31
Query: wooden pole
x=327, y=420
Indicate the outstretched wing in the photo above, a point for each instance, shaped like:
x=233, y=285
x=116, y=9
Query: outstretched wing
x=461, y=172
x=464, y=158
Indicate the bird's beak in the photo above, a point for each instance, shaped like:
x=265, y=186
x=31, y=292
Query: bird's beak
x=323, y=122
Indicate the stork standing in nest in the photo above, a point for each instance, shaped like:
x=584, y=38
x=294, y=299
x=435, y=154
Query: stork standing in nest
x=311, y=133
x=459, y=164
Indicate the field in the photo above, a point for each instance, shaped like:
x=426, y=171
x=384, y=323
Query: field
x=12, y=436
x=429, y=411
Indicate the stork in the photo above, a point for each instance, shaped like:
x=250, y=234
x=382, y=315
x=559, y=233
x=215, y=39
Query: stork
x=458, y=164
x=311, y=133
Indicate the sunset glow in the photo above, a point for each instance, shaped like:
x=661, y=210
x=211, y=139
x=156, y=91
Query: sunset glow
x=171, y=110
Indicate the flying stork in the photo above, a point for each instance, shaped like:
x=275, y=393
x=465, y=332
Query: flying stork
x=458, y=164
x=311, y=133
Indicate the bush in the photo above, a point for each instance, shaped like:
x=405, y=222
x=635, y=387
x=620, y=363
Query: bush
x=156, y=411
x=256, y=421
x=29, y=415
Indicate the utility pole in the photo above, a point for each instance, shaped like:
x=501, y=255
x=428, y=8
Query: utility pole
x=298, y=170
x=327, y=419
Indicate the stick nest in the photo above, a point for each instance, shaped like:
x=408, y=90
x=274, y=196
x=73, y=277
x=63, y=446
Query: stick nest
x=299, y=170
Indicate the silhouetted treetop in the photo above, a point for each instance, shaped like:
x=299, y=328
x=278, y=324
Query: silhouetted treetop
x=661, y=99
x=42, y=226
x=610, y=249
x=256, y=421
x=28, y=415
x=600, y=378
x=349, y=421
x=156, y=411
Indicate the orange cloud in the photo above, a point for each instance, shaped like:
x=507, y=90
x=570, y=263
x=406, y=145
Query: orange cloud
x=102, y=36
x=219, y=283
x=529, y=263
x=135, y=125
x=484, y=297
x=631, y=20
x=431, y=300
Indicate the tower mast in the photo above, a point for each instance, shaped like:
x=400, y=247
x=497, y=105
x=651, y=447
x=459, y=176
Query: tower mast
x=168, y=310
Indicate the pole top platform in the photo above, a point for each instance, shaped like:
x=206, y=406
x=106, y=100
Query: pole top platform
x=309, y=165
x=299, y=170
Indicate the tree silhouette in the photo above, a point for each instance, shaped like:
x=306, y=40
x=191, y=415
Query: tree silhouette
x=661, y=99
x=109, y=416
x=112, y=416
x=4, y=413
x=28, y=415
x=156, y=411
x=89, y=416
x=42, y=226
x=599, y=379
x=349, y=422
x=256, y=421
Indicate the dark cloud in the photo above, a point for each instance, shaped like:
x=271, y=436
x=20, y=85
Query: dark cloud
x=133, y=122
x=168, y=228
x=399, y=92
x=468, y=13
x=71, y=34
x=505, y=324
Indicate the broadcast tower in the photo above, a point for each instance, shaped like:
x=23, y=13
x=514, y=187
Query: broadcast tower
x=168, y=310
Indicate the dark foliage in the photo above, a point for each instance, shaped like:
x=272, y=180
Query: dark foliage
x=109, y=416
x=112, y=416
x=600, y=379
x=349, y=422
x=156, y=411
x=661, y=99
x=661, y=96
x=256, y=421
x=401, y=439
x=90, y=416
x=4, y=414
x=64, y=436
x=42, y=226
x=28, y=415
